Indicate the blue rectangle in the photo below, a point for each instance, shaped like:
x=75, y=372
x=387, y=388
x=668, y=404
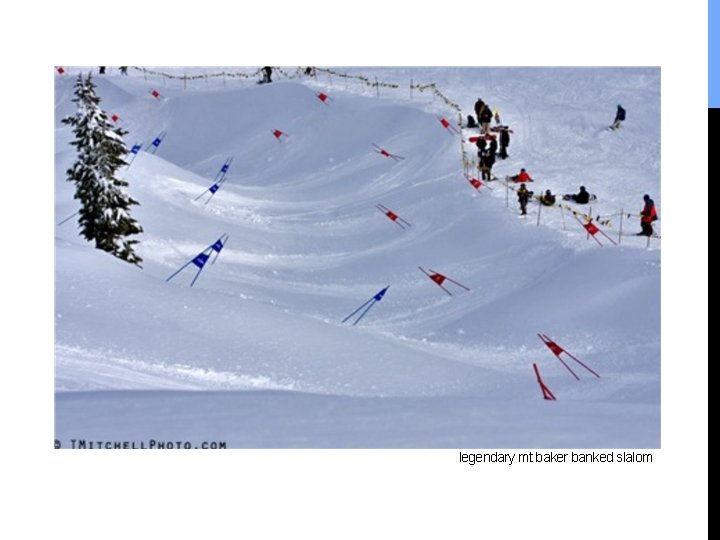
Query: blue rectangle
x=135, y=149
x=157, y=142
x=200, y=260
x=214, y=188
x=225, y=168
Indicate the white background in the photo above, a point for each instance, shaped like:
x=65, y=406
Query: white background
x=347, y=494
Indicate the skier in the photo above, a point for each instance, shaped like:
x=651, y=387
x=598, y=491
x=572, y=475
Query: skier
x=101, y=70
x=123, y=70
x=523, y=197
x=619, y=117
x=523, y=176
x=647, y=216
x=267, y=74
x=583, y=197
x=504, y=142
x=548, y=199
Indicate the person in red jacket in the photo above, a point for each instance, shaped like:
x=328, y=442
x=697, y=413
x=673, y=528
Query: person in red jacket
x=522, y=177
x=647, y=216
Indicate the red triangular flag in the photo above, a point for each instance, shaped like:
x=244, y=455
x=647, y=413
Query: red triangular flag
x=322, y=97
x=115, y=117
x=438, y=278
x=278, y=133
x=60, y=70
x=155, y=93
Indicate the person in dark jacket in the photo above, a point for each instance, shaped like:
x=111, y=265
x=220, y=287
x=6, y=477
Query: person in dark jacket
x=267, y=74
x=478, y=107
x=486, y=117
x=547, y=198
x=647, y=216
x=486, y=163
x=493, y=145
x=619, y=117
x=123, y=70
x=101, y=70
x=582, y=197
x=523, y=196
x=504, y=142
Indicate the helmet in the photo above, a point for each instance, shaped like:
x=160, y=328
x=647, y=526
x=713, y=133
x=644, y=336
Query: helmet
x=548, y=192
x=522, y=170
x=582, y=188
x=646, y=197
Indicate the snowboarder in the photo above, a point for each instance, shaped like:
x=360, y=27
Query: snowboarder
x=583, y=197
x=523, y=197
x=504, y=142
x=647, y=216
x=619, y=117
x=123, y=70
x=267, y=74
x=547, y=198
x=478, y=108
x=522, y=176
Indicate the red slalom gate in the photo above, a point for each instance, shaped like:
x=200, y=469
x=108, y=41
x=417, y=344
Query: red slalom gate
x=385, y=153
x=593, y=230
x=60, y=70
x=323, y=97
x=154, y=93
x=439, y=279
x=557, y=350
x=448, y=126
x=278, y=134
x=477, y=184
x=400, y=222
x=547, y=394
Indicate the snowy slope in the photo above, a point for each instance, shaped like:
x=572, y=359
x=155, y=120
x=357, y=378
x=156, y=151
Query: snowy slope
x=254, y=353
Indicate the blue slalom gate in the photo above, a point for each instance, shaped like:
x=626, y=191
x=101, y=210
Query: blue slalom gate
x=367, y=305
x=201, y=259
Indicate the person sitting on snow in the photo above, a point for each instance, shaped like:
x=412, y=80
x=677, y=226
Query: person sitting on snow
x=547, y=198
x=523, y=176
x=583, y=197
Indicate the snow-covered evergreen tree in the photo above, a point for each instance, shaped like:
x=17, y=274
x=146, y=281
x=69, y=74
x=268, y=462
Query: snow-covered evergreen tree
x=105, y=204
